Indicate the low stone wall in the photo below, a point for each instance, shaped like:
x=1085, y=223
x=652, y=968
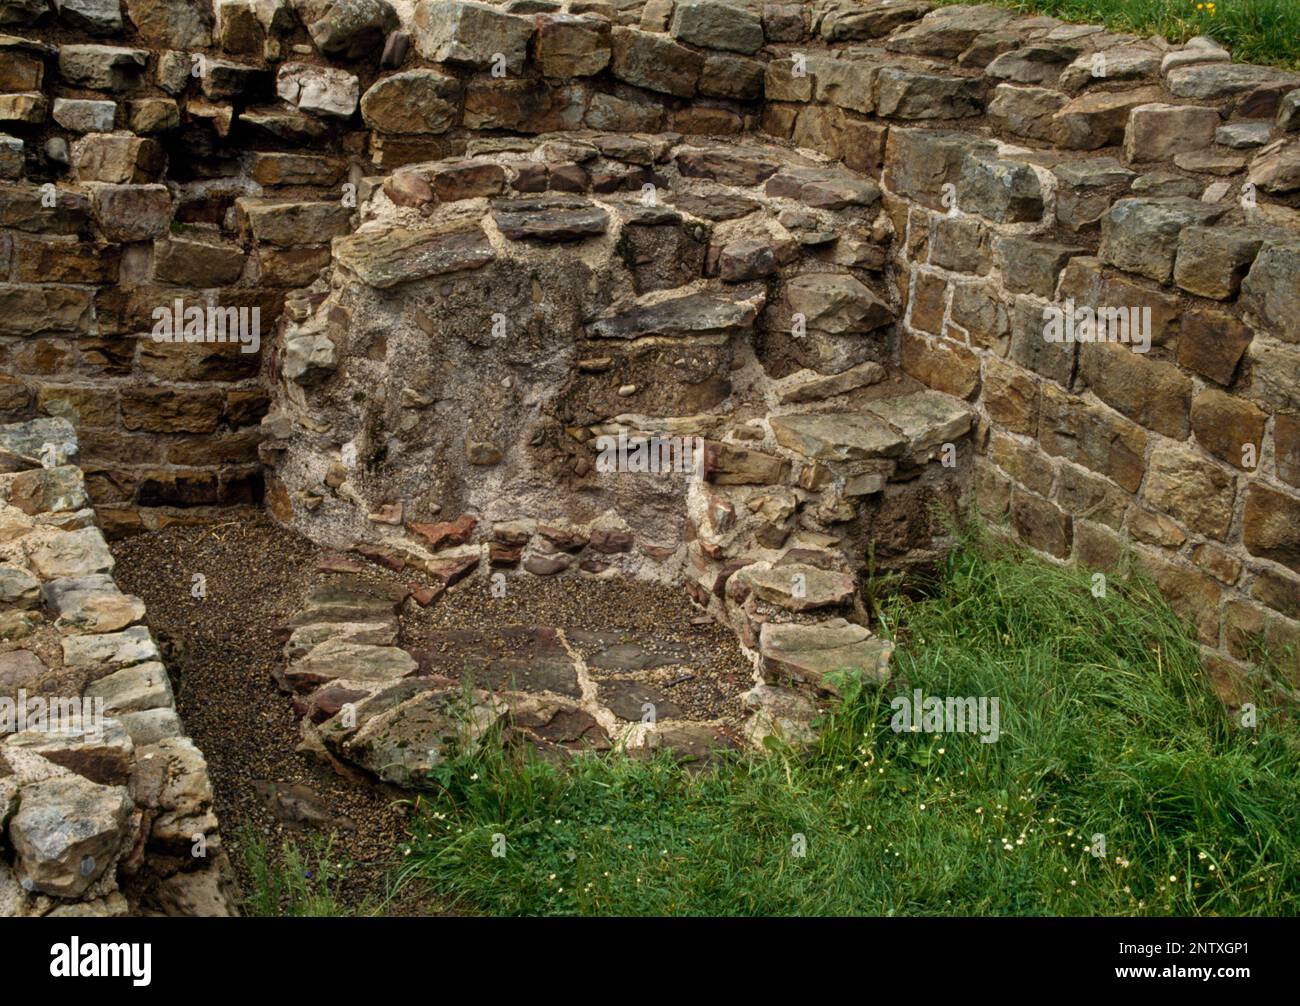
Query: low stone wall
x=105, y=804
x=162, y=149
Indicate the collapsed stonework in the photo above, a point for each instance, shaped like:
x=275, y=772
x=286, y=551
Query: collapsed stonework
x=827, y=252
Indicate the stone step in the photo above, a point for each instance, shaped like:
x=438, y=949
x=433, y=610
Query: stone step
x=348, y=599
x=807, y=654
x=908, y=427
x=796, y=586
x=337, y=659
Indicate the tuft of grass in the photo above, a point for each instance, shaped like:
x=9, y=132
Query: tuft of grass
x=1118, y=785
x=301, y=880
x=1256, y=31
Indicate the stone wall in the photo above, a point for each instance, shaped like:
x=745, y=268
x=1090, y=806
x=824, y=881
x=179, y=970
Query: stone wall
x=212, y=153
x=105, y=804
x=1028, y=166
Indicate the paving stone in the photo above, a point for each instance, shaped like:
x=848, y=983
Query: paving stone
x=636, y=702
x=337, y=658
x=402, y=744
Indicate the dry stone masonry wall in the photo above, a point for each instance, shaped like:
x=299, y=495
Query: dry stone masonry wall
x=105, y=804
x=849, y=259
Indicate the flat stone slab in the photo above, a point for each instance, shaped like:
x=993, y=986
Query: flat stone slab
x=133, y=645
x=91, y=604
x=828, y=190
x=297, y=806
x=348, y=599
x=716, y=207
x=816, y=387
x=549, y=219
x=403, y=743
x=926, y=419
x=695, y=314
x=838, y=436
x=386, y=258
x=808, y=653
x=304, y=638
x=616, y=652
x=636, y=702
x=557, y=724
x=518, y=658
x=726, y=165
x=335, y=659
x=1208, y=81
x=798, y=587
x=700, y=743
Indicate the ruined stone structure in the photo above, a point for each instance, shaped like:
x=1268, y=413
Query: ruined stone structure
x=840, y=265
x=106, y=804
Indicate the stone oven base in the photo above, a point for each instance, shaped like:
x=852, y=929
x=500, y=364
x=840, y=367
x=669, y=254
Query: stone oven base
x=589, y=355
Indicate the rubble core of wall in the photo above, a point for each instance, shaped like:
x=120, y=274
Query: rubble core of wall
x=105, y=804
x=225, y=153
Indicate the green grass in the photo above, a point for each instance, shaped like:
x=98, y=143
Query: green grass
x=1106, y=728
x=301, y=880
x=1257, y=31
